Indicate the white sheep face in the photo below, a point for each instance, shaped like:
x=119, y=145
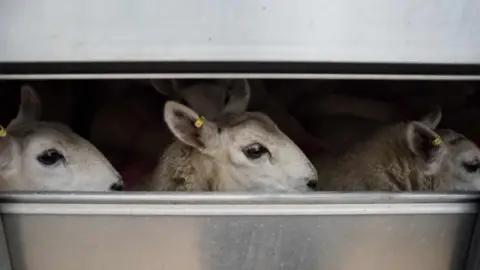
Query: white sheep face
x=42, y=156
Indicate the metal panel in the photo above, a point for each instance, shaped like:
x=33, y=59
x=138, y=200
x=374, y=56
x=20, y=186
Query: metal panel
x=429, y=31
x=4, y=255
x=473, y=262
x=199, y=231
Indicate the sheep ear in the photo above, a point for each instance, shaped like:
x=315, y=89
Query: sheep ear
x=238, y=94
x=426, y=145
x=7, y=143
x=30, y=107
x=432, y=119
x=6, y=151
x=182, y=121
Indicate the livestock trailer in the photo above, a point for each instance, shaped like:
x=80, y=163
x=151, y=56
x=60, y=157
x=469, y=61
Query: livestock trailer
x=344, y=39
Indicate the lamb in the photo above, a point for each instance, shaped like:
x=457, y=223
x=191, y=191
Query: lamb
x=404, y=157
x=236, y=151
x=48, y=156
x=463, y=161
x=118, y=127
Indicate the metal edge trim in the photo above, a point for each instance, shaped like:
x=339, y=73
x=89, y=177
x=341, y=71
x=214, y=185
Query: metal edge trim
x=238, y=210
x=330, y=76
x=236, y=198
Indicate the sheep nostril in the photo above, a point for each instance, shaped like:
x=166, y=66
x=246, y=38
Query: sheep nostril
x=117, y=186
x=312, y=184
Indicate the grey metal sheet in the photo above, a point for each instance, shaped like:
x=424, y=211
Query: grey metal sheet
x=415, y=242
x=224, y=231
x=4, y=254
x=473, y=262
x=132, y=197
x=429, y=31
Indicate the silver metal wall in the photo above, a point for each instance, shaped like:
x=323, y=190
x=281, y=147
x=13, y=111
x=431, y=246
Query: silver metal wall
x=321, y=231
x=4, y=253
x=473, y=262
x=428, y=31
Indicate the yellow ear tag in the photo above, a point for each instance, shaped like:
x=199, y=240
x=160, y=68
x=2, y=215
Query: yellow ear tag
x=3, y=132
x=437, y=141
x=200, y=121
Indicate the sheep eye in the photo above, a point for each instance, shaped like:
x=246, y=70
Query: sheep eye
x=50, y=157
x=255, y=151
x=472, y=167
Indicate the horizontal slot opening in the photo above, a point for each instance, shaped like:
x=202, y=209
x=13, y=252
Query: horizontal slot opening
x=124, y=119
x=124, y=124
x=246, y=69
